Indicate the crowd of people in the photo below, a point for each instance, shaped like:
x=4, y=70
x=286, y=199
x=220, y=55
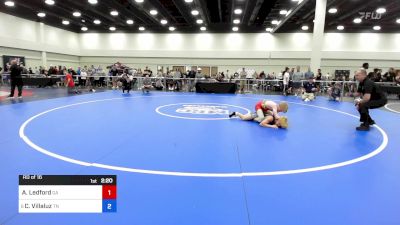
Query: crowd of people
x=369, y=94
x=290, y=81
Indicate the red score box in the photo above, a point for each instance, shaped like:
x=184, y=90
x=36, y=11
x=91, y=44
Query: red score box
x=109, y=192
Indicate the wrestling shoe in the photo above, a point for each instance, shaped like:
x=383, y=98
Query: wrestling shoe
x=232, y=114
x=363, y=127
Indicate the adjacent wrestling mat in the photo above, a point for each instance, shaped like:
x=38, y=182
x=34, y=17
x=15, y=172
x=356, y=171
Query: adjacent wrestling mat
x=179, y=160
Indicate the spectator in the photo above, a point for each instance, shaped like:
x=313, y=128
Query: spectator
x=297, y=78
x=113, y=73
x=291, y=73
x=126, y=81
x=191, y=76
x=309, y=90
x=243, y=75
x=397, y=78
x=389, y=76
x=177, y=76
x=334, y=92
x=146, y=84
x=308, y=74
x=286, y=79
x=69, y=83
x=159, y=85
x=1, y=75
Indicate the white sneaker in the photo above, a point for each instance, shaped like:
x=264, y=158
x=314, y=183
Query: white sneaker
x=19, y=97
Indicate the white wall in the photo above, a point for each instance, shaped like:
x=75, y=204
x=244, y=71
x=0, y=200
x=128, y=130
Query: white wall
x=29, y=35
x=261, y=51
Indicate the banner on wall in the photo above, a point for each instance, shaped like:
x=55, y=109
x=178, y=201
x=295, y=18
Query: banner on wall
x=8, y=58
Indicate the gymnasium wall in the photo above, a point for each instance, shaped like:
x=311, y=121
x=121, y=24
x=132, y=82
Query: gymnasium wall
x=261, y=51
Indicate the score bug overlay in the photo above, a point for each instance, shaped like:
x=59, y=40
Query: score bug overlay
x=67, y=193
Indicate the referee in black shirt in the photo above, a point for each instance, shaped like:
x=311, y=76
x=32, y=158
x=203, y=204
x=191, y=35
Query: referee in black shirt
x=371, y=98
x=16, y=79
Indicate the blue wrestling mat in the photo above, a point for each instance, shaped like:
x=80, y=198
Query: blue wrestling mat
x=180, y=160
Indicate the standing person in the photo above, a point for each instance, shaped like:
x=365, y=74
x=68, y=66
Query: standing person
x=16, y=79
x=297, y=78
x=286, y=78
x=114, y=73
x=308, y=74
x=242, y=76
x=372, y=97
x=191, y=76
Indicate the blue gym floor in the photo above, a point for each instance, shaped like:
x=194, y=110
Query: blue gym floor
x=181, y=168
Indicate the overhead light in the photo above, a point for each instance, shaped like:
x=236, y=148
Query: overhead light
x=305, y=27
x=49, y=2
x=139, y=1
x=268, y=29
x=275, y=22
x=142, y=28
x=340, y=27
x=188, y=1
x=84, y=29
x=153, y=12
x=130, y=22
x=83, y=21
x=9, y=3
x=97, y=22
x=381, y=10
x=163, y=21
x=203, y=28
x=283, y=12
x=357, y=20
x=238, y=11
x=377, y=28
x=236, y=21
x=76, y=14
x=114, y=13
x=171, y=28
x=235, y=28
x=332, y=10
x=92, y=2
x=65, y=22
x=41, y=14
x=288, y=13
x=112, y=28
x=199, y=21
x=398, y=20
x=195, y=12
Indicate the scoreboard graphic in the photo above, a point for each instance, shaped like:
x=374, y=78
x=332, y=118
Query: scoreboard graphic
x=67, y=194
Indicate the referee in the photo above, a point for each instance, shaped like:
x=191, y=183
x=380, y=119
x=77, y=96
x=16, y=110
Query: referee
x=16, y=79
x=371, y=98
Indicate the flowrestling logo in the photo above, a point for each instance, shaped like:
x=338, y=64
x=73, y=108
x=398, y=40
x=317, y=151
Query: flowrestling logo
x=204, y=110
x=200, y=111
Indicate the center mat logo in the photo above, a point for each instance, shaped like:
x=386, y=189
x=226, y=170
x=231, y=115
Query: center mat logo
x=200, y=111
x=203, y=110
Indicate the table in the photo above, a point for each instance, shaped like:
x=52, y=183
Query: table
x=40, y=81
x=222, y=87
x=390, y=89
